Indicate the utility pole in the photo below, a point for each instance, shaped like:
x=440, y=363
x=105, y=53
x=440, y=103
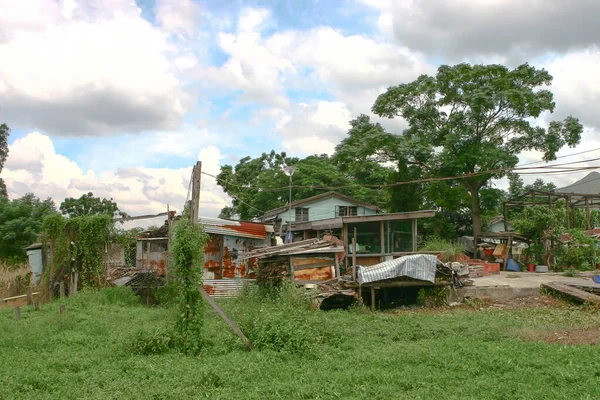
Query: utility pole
x=195, y=203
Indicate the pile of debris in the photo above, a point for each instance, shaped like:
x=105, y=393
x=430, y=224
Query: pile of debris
x=467, y=271
x=302, y=246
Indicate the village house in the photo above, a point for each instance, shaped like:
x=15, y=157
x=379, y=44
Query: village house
x=379, y=236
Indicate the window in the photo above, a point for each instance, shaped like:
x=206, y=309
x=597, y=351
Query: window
x=368, y=237
x=301, y=214
x=346, y=211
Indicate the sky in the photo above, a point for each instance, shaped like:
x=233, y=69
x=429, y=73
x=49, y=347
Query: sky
x=122, y=97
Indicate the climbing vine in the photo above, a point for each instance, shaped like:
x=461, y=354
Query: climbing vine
x=187, y=250
x=77, y=243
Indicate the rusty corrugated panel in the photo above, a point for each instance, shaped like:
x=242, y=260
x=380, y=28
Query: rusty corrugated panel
x=225, y=287
x=238, y=229
x=212, y=257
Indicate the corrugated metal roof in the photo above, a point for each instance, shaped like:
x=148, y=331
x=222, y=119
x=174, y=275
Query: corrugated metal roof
x=239, y=229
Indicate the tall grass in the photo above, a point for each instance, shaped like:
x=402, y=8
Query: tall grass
x=11, y=276
x=458, y=354
x=449, y=249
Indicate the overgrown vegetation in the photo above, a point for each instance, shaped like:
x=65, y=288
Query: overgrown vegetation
x=181, y=293
x=458, y=354
x=78, y=243
x=451, y=250
x=187, y=254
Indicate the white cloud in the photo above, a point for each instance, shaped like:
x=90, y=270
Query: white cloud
x=137, y=190
x=178, y=16
x=313, y=129
x=100, y=70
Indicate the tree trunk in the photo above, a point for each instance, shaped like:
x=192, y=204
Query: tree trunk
x=475, y=213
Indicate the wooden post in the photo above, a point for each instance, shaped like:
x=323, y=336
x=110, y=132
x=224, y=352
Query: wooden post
x=414, y=234
x=36, y=304
x=75, y=281
x=382, y=233
x=61, y=289
x=196, y=178
x=567, y=207
x=227, y=320
x=17, y=313
x=62, y=309
x=505, y=212
x=29, y=296
x=587, y=214
x=372, y=298
x=354, y=257
x=337, y=265
x=291, y=261
x=508, y=248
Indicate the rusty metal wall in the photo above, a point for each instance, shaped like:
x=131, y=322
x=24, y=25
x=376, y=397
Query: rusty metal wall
x=212, y=257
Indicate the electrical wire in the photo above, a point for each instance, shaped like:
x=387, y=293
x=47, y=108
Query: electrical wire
x=566, y=155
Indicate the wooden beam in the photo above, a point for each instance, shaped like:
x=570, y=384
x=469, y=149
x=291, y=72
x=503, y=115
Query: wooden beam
x=337, y=266
x=226, y=318
x=389, y=217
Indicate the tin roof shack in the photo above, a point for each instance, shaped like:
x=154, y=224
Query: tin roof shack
x=415, y=278
x=225, y=253
x=377, y=236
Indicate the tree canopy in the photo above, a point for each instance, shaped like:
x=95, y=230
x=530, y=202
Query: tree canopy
x=20, y=222
x=260, y=184
x=87, y=204
x=4, y=133
x=474, y=120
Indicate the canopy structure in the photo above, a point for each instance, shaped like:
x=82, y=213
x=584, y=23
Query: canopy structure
x=545, y=198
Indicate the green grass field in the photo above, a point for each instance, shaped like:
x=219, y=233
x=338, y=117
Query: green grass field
x=466, y=353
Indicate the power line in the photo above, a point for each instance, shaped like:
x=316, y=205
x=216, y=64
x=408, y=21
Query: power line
x=566, y=155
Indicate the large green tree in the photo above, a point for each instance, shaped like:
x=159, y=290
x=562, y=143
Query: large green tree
x=87, y=204
x=20, y=223
x=478, y=118
x=380, y=157
x=260, y=184
x=4, y=133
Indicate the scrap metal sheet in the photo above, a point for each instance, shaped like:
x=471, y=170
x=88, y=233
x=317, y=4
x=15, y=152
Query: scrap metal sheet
x=417, y=266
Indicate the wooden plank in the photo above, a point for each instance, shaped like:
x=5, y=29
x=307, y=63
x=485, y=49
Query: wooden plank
x=17, y=313
x=572, y=292
x=227, y=320
x=314, y=265
x=337, y=267
x=6, y=299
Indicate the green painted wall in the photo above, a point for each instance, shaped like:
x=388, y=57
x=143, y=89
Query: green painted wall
x=323, y=209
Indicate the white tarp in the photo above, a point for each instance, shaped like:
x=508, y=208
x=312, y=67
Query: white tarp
x=417, y=266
